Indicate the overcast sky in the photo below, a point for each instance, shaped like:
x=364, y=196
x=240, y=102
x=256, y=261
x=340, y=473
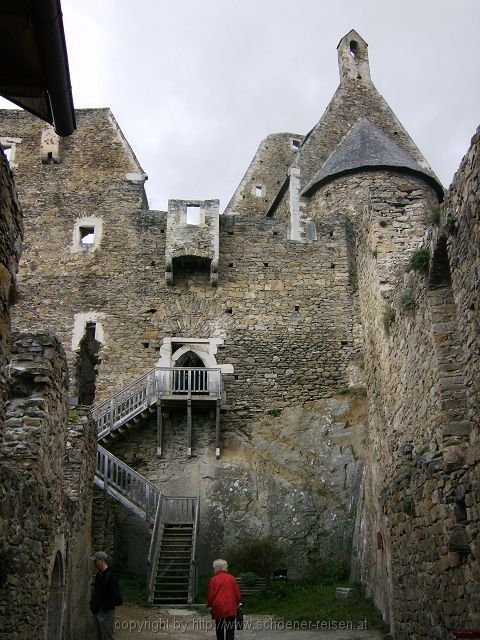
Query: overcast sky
x=195, y=85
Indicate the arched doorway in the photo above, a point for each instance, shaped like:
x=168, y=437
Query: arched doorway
x=192, y=376
x=55, y=600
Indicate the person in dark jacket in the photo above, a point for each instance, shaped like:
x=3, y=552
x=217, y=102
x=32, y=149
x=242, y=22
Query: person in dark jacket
x=223, y=600
x=104, y=597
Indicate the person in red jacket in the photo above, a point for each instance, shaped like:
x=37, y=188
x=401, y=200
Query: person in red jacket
x=223, y=600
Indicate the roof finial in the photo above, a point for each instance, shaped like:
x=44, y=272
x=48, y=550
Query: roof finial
x=353, y=58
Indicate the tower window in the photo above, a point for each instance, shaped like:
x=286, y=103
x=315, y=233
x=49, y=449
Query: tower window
x=87, y=235
x=259, y=190
x=295, y=144
x=193, y=214
x=353, y=48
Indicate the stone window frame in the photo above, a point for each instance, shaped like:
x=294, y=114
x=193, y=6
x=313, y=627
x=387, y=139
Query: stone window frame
x=201, y=214
x=259, y=190
x=295, y=144
x=80, y=322
x=87, y=222
x=205, y=348
x=11, y=143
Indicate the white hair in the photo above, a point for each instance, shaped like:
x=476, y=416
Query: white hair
x=220, y=565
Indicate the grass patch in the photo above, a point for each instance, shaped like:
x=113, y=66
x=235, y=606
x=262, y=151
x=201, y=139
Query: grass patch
x=312, y=601
x=134, y=587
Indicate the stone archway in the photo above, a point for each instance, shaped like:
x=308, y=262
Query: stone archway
x=55, y=600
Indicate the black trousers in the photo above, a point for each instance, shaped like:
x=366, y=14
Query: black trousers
x=225, y=628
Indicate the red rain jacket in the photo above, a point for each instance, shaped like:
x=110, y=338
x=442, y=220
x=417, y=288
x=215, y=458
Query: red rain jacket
x=223, y=595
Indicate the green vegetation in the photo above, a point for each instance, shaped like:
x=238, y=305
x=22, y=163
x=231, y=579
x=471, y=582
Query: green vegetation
x=388, y=318
x=408, y=506
x=420, y=260
x=134, y=587
x=407, y=300
x=433, y=215
x=73, y=417
x=257, y=555
x=312, y=601
x=451, y=223
x=249, y=578
x=275, y=412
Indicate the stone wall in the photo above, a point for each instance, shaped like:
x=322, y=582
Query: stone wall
x=285, y=312
x=45, y=530
x=266, y=174
x=417, y=532
x=11, y=231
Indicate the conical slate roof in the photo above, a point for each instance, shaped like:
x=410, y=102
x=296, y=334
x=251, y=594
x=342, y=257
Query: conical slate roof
x=367, y=147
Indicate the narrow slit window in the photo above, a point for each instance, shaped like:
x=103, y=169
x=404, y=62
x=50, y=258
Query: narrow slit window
x=8, y=153
x=87, y=236
x=353, y=48
x=258, y=191
x=193, y=214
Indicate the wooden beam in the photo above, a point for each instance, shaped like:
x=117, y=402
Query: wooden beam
x=189, y=428
x=217, y=431
x=159, y=427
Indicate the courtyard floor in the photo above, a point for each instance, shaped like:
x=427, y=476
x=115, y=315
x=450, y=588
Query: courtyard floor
x=181, y=624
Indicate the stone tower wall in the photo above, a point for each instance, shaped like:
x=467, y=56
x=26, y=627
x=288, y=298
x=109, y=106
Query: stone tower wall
x=417, y=532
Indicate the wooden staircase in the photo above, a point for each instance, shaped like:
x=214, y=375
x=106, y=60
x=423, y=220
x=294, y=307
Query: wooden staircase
x=172, y=562
x=172, y=572
x=173, y=567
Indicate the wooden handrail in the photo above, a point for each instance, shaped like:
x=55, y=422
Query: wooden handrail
x=139, y=395
x=126, y=485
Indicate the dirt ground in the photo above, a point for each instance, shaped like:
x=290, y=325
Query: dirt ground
x=181, y=624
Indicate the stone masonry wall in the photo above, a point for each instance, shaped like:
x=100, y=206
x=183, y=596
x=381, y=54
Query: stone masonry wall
x=268, y=170
x=417, y=533
x=11, y=231
x=284, y=310
x=44, y=530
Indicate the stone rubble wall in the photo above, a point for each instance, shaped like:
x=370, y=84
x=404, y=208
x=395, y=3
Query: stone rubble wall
x=11, y=233
x=417, y=533
x=38, y=518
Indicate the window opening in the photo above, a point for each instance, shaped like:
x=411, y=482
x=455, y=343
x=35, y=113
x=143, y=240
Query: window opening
x=87, y=235
x=8, y=153
x=193, y=214
x=87, y=365
x=353, y=48
x=295, y=145
x=258, y=191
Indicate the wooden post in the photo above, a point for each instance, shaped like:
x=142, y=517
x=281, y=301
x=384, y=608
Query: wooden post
x=189, y=428
x=159, y=427
x=111, y=415
x=217, y=431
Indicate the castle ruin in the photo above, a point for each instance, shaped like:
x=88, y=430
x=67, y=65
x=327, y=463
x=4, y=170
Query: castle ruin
x=303, y=367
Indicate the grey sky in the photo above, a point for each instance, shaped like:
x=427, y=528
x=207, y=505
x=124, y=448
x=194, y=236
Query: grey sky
x=196, y=84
